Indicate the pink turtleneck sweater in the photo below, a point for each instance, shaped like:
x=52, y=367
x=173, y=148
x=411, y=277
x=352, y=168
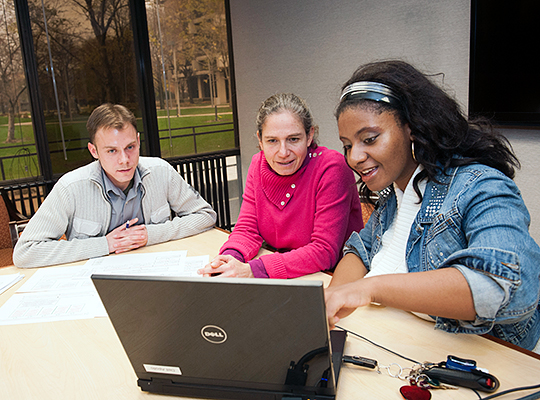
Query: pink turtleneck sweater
x=307, y=216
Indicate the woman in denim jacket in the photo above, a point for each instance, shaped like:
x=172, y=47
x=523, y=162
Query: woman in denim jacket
x=449, y=236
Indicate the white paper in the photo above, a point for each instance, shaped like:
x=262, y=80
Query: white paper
x=67, y=293
x=76, y=277
x=168, y=263
x=192, y=264
x=7, y=281
x=51, y=306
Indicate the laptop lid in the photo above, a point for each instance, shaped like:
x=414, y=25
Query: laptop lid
x=223, y=337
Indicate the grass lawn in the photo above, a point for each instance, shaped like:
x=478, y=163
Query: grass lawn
x=76, y=139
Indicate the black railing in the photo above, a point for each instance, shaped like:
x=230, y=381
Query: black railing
x=207, y=173
x=27, y=197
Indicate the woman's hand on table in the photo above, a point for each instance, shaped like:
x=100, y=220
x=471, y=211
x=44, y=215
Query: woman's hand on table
x=226, y=266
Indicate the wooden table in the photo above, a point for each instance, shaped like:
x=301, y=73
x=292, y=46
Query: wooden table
x=83, y=359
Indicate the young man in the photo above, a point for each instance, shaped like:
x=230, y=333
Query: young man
x=118, y=203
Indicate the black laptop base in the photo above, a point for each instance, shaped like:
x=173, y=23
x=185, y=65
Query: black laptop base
x=167, y=386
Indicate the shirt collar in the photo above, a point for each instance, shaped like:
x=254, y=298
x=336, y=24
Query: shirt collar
x=409, y=190
x=112, y=188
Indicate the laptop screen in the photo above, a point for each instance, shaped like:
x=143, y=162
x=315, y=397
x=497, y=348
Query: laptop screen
x=211, y=336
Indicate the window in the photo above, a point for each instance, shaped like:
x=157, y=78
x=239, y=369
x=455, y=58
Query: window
x=16, y=132
x=80, y=55
x=84, y=54
x=166, y=60
x=190, y=64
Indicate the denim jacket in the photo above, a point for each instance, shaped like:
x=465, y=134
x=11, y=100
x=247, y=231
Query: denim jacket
x=474, y=220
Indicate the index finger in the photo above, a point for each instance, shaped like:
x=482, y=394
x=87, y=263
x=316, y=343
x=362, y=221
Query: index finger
x=208, y=270
x=332, y=306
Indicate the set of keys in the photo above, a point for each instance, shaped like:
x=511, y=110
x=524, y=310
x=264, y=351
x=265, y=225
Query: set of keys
x=450, y=374
x=420, y=384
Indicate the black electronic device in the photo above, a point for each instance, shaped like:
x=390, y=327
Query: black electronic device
x=225, y=338
x=503, y=82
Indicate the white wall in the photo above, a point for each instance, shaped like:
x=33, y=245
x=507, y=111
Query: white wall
x=310, y=47
x=526, y=144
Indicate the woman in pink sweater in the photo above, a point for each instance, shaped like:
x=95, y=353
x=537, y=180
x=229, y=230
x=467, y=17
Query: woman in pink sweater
x=300, y=198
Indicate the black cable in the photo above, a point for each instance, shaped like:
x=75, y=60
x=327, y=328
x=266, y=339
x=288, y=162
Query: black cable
x=477, y=394
x=532, y=396
x=309, y=356
x=528, y=397
x=377, y=345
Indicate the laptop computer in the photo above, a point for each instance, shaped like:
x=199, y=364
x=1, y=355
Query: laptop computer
x=225, y=338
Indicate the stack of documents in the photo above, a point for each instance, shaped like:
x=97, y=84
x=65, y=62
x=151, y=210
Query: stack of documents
x=7, y=281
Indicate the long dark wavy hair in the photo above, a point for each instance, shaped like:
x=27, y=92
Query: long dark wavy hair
x=443, y=136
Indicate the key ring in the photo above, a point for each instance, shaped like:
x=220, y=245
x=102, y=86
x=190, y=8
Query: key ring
x=388, y=368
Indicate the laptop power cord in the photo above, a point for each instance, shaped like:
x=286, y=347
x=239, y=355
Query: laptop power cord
x=297, y=372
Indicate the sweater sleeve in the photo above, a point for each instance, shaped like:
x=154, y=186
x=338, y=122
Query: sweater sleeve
x=192, y=214
x=335, y=197
x=245, y=237
x=39, y=244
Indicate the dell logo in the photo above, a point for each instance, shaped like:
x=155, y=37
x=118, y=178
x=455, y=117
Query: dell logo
x=213, y=334
x=218, y=335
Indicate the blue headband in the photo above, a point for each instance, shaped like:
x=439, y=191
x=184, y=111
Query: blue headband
x=371, y=91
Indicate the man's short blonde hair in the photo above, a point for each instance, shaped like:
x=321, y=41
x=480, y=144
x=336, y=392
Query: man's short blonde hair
x=109, y=116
